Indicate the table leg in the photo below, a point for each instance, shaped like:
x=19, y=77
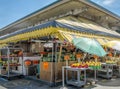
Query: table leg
x=119, y=70
x=95, y=74
x=78, y=76
x=63, y=82
x=85, y=75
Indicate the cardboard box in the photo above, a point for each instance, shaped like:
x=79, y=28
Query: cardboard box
x=56, y=71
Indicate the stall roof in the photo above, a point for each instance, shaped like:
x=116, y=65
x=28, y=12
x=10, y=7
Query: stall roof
x=31, y=18
x=72, y=23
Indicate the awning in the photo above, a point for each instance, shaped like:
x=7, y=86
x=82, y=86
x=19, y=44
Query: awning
x=3, y=45
x=76, y=27
x=102, y=41
x=85, y=25
x=61, y=33
x=69, y=36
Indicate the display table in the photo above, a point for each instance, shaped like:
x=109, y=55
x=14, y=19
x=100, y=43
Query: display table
x=107, y=71
x=77, y=82
x=119, y=71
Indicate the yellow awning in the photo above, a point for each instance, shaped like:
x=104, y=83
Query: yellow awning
x=69, y=36
x=61, y=33
x=102, y=41
x=3, y=45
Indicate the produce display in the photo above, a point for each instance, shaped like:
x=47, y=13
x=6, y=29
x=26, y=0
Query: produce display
x=79, y=65
x=110, y=62
x=91, y=64
x=94, y=65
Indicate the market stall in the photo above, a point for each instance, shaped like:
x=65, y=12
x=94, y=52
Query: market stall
x=59, y=35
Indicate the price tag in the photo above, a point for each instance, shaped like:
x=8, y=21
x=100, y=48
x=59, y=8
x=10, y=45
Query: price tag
x=78, y=56
x=66, y=57
x=45, y=65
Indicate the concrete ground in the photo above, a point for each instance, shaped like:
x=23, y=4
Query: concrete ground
x=30, y=84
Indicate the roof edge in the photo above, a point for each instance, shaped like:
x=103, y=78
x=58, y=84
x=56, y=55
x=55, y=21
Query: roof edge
x=99, y=7
x=89, y=2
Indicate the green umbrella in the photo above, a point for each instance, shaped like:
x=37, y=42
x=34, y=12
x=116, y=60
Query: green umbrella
x=90, y=46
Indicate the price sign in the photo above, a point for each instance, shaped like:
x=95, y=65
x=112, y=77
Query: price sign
x=78, y=56
x=95, y=56
x=45, y=65
x=66, y=57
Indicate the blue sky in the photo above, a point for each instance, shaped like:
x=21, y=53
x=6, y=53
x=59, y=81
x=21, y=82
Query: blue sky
x=112, y=5
x=12, y=10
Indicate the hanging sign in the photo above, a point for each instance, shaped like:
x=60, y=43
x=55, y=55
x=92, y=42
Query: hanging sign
x=78, y=56
x=66, y=57
x=45, y=65
x=110, y=54
x=95, y=56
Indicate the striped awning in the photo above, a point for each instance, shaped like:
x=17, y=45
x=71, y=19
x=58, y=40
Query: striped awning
x=3, y=45
x=69, y=36
x=102, y=41
x=65, y=28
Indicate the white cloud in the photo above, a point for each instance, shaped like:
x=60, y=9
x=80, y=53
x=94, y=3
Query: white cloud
x=108, y=2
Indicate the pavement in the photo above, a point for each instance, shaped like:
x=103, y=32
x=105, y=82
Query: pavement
x=31, y=84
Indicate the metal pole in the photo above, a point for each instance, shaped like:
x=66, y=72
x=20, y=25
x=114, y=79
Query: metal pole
x=8, y=53
x=85, y=75
x=52, y=66
x=119, y=69
x=95, y=74
x=63, y=82
x=78, y=75
x=22, y=62
x=56, y=70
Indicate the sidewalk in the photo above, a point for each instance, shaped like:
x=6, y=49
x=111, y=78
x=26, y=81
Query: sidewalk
x=2, y=87
x=105, y=87
x=30, y=84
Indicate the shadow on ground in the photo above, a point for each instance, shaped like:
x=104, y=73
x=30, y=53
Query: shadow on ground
x=30, y=84
x=114, y=82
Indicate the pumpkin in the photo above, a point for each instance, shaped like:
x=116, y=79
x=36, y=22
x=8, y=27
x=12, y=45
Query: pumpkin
x=110, y=54
x=20, y=53
x=35, y=62
x=27, y=62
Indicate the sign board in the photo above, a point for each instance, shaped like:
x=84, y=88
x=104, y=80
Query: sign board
x=45, y=65
x=66, y=57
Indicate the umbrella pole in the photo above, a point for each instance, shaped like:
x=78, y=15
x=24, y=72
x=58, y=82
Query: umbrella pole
x=95, y=72
x=79, y=60
x=66, y=62
x=84, y=56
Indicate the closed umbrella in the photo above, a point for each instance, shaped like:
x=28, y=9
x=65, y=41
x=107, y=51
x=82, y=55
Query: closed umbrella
x=90, y=46
x=113, y=44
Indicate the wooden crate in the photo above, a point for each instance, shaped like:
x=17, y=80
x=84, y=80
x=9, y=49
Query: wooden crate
x=45, y=74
